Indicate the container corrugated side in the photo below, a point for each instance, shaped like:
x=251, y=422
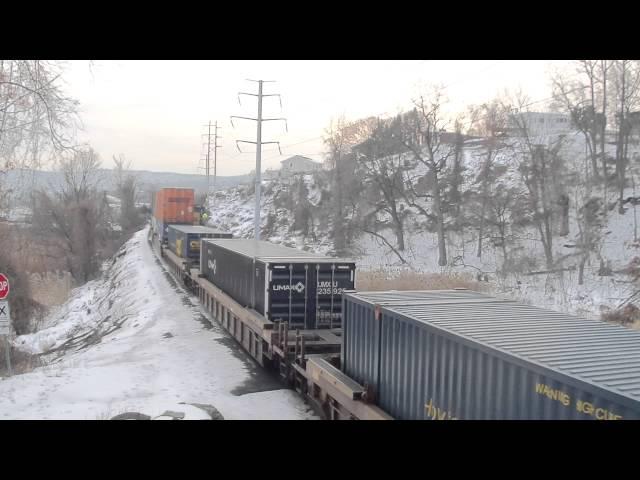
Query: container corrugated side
x=426, y=374
x=360, y=342
x=500, y=360
x=360, y=354
x=174, y=240
x=174, y=205
x=229, y=271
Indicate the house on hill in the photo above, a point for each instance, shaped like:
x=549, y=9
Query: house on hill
x=540, y=124
x=297, y=165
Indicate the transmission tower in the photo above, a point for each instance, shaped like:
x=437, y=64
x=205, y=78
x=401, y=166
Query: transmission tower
x=259, y=143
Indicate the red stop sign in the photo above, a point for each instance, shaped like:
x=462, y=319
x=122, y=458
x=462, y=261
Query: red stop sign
x=4, y=286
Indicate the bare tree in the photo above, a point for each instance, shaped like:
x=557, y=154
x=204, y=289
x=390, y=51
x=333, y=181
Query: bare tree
x=36, y=118
x=340, y=138
x=76, y=216
x=127, y=191
x=456, y=177
x=422, y=135
x=541, y=168
x=577, y=95
x=81, y=174
x=490, y=122
x=538, y=167
x=382, y=166
x=603, y=71
x=626, y=83
x=35, y=113
x=503, y=210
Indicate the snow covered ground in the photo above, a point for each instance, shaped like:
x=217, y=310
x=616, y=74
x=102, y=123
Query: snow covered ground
x=133, y=341
x=559, y=292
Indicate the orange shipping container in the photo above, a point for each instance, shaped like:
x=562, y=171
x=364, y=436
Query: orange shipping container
x=174, y=205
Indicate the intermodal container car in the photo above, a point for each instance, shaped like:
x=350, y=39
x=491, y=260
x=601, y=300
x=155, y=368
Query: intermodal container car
x=279, y=282
x=463, y=355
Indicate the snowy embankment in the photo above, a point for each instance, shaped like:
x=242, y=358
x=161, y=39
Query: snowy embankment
x=133, y=341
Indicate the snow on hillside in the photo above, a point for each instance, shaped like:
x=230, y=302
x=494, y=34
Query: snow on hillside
x=132, y=341
x=233, y=209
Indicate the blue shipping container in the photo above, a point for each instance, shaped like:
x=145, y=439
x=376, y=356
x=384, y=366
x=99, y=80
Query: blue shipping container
x=184, y=240
x=463, y=355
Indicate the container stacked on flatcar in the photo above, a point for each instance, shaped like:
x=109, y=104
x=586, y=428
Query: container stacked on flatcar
x=184, y=240
x=172, y=206
x=280, y=283
x=464, y=355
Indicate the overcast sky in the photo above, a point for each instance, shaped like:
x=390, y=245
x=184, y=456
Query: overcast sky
x=154, y=112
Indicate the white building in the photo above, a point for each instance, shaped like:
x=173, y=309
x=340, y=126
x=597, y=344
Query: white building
x=541, y=123
x=298, y=164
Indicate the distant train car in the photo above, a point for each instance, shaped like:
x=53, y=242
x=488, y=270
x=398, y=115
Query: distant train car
x=172, y=206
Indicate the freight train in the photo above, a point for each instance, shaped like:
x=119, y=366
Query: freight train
x=407, y=355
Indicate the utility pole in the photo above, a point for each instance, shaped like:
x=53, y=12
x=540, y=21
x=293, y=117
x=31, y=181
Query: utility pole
x=208, y=155
x=215, y=157
x=258, y=143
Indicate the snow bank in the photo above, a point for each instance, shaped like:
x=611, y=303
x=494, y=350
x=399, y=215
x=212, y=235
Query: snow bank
x=134, y=342
x=99, y=306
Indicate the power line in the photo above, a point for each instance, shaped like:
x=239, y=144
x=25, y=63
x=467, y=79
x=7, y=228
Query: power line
x=466, y=78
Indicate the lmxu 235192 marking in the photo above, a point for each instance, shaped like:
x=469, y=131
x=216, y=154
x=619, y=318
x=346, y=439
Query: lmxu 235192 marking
x=328, y=288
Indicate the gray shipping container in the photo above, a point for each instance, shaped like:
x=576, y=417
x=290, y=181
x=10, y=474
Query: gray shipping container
x=184, y=240
x=279, y=282
x=464, y=355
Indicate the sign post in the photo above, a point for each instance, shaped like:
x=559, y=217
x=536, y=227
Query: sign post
x=5, y=318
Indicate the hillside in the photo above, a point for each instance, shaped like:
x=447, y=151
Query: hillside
x=233, y=210
x=603, y=288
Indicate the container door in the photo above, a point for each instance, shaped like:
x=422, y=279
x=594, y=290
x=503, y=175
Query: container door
x=332, y=280
x=179, y=247
x=288, y=294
